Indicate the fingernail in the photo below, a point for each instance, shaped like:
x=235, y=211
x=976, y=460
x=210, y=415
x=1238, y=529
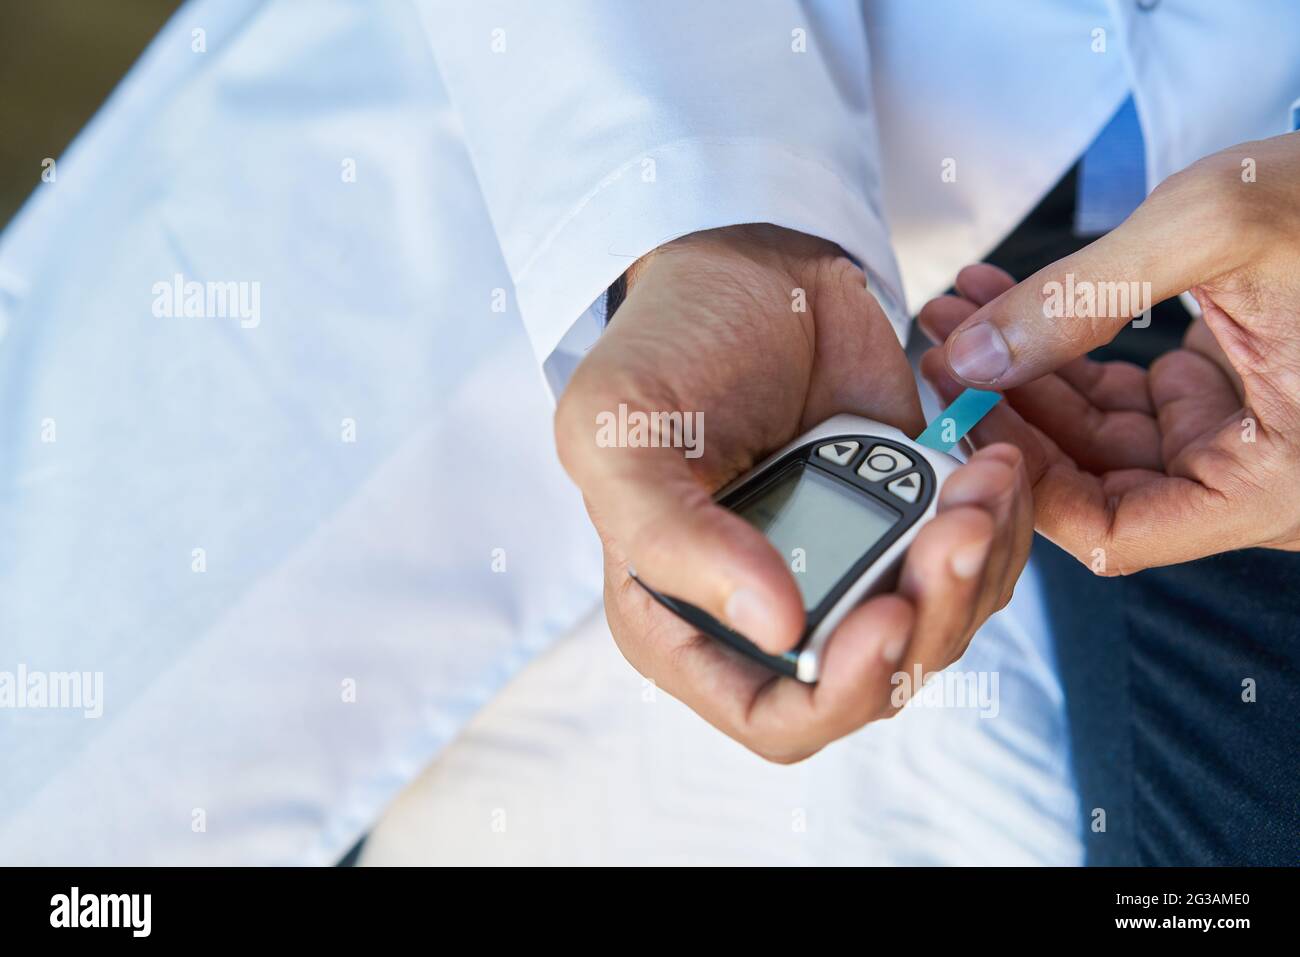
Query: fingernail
x=892, y=650
x=750, y=615
x=969, y=559
x=978, y=353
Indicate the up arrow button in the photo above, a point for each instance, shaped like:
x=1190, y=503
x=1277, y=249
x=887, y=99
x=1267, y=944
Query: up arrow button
x=908, y=488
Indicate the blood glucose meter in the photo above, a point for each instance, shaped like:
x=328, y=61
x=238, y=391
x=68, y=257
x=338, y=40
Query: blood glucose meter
x=841, y=503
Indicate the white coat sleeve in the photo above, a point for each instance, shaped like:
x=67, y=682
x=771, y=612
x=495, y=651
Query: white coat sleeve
x=600, y=130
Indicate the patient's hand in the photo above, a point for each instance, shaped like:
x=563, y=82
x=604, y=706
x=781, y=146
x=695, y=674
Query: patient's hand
x=1196, y=456
x=710, y=325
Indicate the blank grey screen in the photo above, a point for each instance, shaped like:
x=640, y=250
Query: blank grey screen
x=833, y=525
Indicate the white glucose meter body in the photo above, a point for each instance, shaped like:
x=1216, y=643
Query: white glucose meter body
x=841, y=503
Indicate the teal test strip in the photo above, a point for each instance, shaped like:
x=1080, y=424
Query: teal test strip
x=952, y=424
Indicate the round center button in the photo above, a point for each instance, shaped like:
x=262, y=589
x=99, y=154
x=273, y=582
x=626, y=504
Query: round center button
x=882, y=461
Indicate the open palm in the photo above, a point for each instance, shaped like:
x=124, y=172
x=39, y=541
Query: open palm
x=1131, y=468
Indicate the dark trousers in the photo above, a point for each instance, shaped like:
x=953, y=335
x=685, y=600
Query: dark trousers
x=1182, y=684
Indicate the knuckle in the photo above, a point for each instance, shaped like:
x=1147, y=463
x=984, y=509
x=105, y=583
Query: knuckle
x=888, y=711
x=1212, y=190
x=1004, y=596
x=844, y=274
x=1194, y=181
x=776, y=754
x=1099, y=329
x=1108, y=559
x=570, y=426
x=1179, y=183
x=783, y=744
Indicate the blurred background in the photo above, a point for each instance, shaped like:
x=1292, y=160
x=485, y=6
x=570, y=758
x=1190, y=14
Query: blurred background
x=59, y=60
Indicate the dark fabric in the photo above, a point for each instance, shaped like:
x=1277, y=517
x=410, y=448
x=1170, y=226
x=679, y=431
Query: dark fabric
x=351, y=858
x=614, y=297
x=1156, y=665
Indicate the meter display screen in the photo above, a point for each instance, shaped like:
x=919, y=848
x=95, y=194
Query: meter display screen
x=820, y=525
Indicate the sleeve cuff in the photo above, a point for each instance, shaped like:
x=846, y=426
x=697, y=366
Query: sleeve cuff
x=682, y=188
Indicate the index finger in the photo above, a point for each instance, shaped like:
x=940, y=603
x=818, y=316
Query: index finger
x=1082, y=301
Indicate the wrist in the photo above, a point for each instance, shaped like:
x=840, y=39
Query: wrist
x=732, y=254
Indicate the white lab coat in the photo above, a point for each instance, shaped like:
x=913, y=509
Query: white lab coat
x=914, y=133
x=355, y=600
x=304, y=553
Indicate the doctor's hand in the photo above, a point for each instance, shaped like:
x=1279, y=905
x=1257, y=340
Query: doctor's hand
x=755, y=334
x=1199, y=455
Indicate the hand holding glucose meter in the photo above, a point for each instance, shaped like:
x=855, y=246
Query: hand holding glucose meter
x=841, y=503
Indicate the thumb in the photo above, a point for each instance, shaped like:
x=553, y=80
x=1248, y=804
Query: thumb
x=1082, y=301
x=695, y=550
x=652, y=510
